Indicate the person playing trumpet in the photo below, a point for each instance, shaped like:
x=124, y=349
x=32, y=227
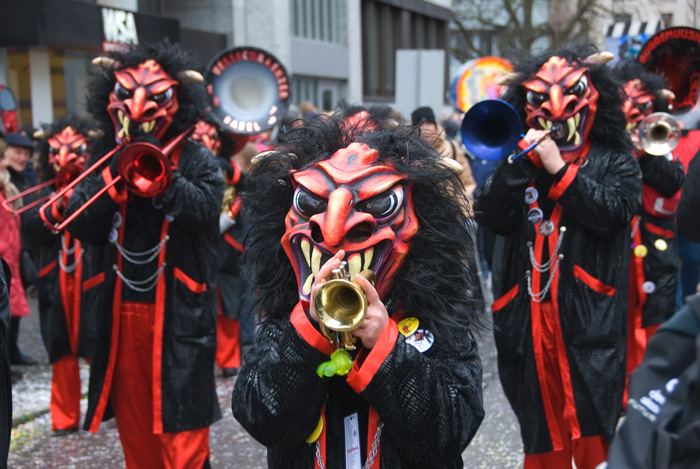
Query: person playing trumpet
x=560, y=272
x=654, y=256
x=408, y=392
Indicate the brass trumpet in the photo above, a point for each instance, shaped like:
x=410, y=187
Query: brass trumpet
x=659, y=133
x=341, y=306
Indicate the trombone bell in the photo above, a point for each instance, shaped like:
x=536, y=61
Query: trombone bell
x=659, y=133
x=145, y=169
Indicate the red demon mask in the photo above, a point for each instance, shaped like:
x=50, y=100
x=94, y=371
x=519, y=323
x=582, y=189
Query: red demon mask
x=207, y=135
x=143, y=95
x=352, y=202
x=561, y=95
x=638, y=104
x=67, y=147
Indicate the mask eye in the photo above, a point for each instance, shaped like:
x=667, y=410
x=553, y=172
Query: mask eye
x=580, y=87
x=120, y=92
x=53, y=151
x=308, y=204
x=643, y=106
x=164, y=97
x=79, y=151
x=383, y=206
x=536, y=99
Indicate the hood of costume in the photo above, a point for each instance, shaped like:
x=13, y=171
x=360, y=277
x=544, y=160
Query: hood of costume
x=569, y=88
x=372, y=194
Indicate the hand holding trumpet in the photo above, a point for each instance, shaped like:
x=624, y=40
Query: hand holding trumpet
x=546, y=151
x=377, y=316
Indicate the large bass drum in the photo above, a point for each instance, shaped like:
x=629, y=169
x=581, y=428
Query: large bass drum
x=248, y=90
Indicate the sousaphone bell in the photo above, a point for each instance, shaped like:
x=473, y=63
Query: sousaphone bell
x=248, y=90
x=341, y=306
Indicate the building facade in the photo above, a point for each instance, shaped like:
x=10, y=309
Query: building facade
x=336, y=51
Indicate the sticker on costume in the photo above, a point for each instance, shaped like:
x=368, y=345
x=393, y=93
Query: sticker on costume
x=641, y=251
x=535, y=215
x=649, y=287
x=407, y=326
x=169, y=218
x=422, y=340
x=660, y=244
x=113, y=235
x=547, y=228
x=531, y=195
x=117, y=220
x=353, y=458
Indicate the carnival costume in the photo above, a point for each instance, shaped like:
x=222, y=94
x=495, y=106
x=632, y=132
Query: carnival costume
x=232, y=289
x=152, y=284
x=390, y=203
x=654, y=258
x=68, y=335
x=561, y=259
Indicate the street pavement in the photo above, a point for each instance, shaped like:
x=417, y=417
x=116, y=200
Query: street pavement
x=496, y=444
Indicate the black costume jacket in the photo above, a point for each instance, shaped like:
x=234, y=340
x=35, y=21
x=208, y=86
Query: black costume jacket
x=278, y=397
x=660, y=265
x=185, y=293
x=687, y=213
x=595, y=202
x=53, y=267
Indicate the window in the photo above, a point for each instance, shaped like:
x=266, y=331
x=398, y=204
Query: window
x=385, y=29
x=319, y=20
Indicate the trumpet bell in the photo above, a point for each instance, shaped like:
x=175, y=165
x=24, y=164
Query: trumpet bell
x=491, y=129
x=659, y=133
x=146, y=171
x=341, y=305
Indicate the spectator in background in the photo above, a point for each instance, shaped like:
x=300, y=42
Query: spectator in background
x=431, y=132
x=307, y=109
x=14, y=179
x=5, y=380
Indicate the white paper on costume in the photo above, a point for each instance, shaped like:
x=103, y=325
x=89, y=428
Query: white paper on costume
x=353, y=458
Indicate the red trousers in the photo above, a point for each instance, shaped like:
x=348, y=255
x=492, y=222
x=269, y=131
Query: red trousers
x=65, y=393
x=131, y=397
x=637, y=336
x=587, y=452
x=228, y=341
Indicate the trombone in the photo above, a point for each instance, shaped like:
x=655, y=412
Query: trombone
x=145, y=169
x=63, y=177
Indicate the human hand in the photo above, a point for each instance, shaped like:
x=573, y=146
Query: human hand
x=546, y=151
x=376, y=318
x=323, y=274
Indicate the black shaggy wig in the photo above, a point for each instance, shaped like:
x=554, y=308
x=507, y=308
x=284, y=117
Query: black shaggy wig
x=191, y=98
x=629, y=70
x=437, y=282
x=80, y=125
x=609, y=122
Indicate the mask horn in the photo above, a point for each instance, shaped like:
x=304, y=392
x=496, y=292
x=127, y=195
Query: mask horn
x=508, y=79
x=104, y=62
x=39, y=134
x=667, y=94
x=452, y=165
x=599, y=58
x=188, y=77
